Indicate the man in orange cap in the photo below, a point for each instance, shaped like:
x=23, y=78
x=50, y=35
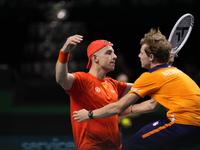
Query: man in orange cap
x=92, y=90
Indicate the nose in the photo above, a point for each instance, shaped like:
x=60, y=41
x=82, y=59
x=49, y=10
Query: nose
x=115, y=56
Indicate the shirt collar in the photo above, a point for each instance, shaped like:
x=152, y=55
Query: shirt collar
x=159, y=66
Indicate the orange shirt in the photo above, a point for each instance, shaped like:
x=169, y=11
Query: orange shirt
x=90, y=93
x=174, y=90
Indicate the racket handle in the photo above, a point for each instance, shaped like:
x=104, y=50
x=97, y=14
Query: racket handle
x=174, y=52
x=171, y=58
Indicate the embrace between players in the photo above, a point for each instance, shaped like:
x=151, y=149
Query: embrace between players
x=94, y=98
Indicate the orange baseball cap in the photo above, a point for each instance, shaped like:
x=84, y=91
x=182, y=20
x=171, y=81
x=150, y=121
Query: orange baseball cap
x=95, y=46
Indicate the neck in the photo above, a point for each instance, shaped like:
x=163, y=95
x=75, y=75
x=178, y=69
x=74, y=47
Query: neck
x=155, y=64
x=99, y=73
x=152, y=65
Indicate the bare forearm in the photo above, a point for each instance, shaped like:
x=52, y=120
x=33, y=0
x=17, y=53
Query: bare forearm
x=139, y=109
x=84, y=115
x=106, y=111
x=145, y=107
x=126, y=112
x=117, y=107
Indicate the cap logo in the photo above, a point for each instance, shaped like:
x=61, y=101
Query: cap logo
x=105, y=41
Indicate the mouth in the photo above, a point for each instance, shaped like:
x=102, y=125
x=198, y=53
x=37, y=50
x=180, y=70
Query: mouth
x=113, y=63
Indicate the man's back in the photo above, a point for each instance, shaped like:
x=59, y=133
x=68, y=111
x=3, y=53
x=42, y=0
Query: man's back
x=175, y=90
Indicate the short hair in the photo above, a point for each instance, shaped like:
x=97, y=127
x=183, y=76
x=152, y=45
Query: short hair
x=157, y=44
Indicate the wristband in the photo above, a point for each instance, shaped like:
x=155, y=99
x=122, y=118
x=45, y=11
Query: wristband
x=63, y=57
x=90, y=114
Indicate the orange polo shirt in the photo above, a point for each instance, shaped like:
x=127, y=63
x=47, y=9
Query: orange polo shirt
x=174, y=90
x=90, y=93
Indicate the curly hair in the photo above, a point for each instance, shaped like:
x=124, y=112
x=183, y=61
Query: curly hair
x=157, y=45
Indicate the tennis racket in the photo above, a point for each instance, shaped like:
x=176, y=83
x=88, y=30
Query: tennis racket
x=180, y=33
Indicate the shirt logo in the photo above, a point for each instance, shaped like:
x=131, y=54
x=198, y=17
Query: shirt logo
x=97, y=89
x=134, y=89
x=171, y=72
x=155, y=123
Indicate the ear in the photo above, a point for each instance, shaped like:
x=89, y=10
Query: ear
x=95, y=58
x=151, y=57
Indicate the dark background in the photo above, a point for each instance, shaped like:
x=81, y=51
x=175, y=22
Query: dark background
x=32, y=103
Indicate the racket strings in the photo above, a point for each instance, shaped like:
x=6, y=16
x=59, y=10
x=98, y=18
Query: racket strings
x=181, y=31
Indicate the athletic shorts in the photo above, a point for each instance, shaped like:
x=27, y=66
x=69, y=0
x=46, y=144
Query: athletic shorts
x=164, y=135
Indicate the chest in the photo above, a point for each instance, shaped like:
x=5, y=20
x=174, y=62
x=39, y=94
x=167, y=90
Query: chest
x=102, y=93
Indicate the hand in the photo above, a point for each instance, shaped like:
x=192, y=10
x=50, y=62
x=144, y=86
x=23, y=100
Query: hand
x=171, y=60
x=81, y=115
x=71, y=43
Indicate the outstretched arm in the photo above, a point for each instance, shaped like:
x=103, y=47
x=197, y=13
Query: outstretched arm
x=145, y=107
x=108, y=110
x=117, y=107
x=64, y=78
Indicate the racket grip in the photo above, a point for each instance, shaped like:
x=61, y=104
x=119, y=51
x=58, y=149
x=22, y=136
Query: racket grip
x=171, y=58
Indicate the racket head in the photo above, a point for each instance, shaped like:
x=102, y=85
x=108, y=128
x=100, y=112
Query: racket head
x=180, y=32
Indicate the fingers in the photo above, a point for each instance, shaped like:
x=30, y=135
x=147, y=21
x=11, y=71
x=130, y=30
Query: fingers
x=75, y=112
x=174, y=49
x=75, y=116
x=80, y=116
x=77, y=119
x=77, y=39
x=80, y=37
x=71, y=42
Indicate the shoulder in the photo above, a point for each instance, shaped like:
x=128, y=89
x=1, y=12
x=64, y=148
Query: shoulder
x=80, y=74
x=83, y=77
x=109, y=79
x=147, y=77
x=80, y=77
x=115, y=82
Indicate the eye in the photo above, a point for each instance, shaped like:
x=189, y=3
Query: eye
x=109, y=52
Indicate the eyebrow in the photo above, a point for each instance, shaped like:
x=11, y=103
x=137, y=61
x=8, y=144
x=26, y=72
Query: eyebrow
x=110, y=50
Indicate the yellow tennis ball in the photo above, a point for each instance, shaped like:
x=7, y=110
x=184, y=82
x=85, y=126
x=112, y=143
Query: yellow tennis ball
x=126, y=122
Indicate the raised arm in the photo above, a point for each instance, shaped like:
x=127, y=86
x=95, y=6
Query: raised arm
x=64, y=78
